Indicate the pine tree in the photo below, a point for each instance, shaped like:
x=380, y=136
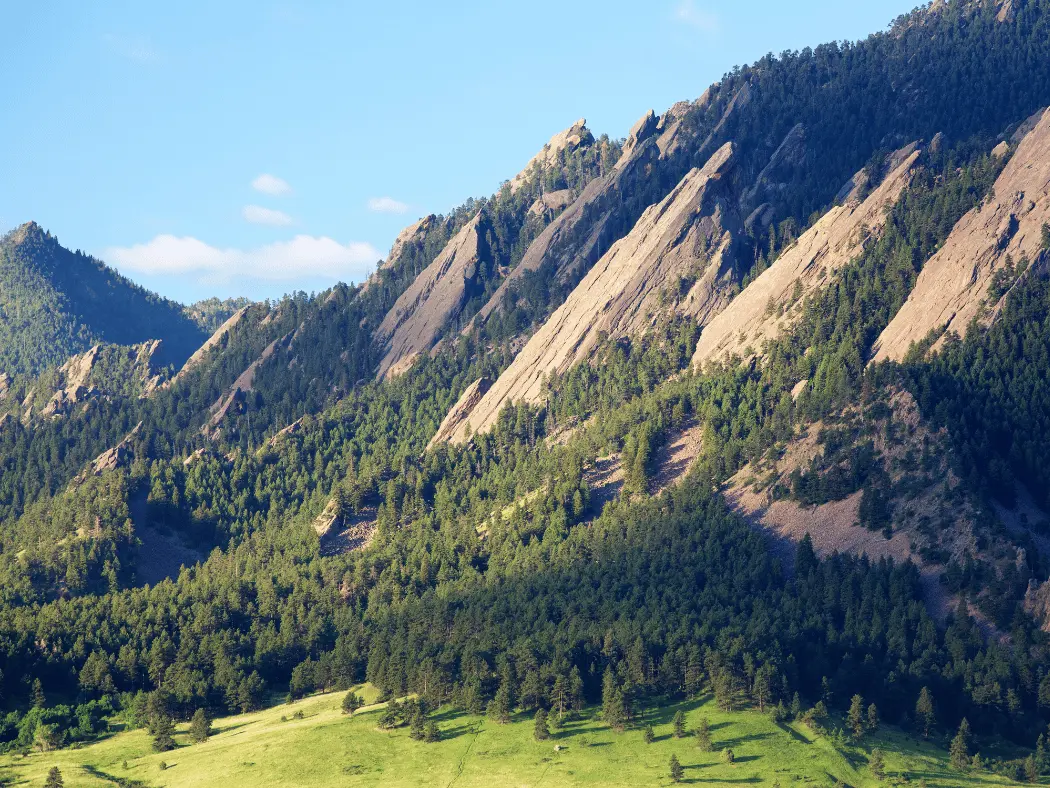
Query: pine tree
x=679, y=725
x=163, y=734
x=54, y=778
x=728, y=756
x=560, y=696
x=540, y=731
x=39, y=700
x=431, y=733
x=1040, y=753
x=924, y=713
x=677, y=772
x=613, y=711
x=796, y=707
x=873, y=718
x=575, y=690
x=703, y=735
x=1031, y=771
x=1046, y=236
x=200, y=727
x=649, y=735
x=351, y=702
x=417, y=720
x=855, y=717
x=877, y=764
x=500, y=705
x=959, y=751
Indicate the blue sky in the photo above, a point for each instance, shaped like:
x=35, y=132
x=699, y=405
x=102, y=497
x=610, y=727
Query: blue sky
x=254, y=148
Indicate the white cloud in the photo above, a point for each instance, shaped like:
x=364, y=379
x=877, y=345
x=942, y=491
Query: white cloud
x=386, y=205
x=688, y=13
x=271, y=184
x=137, y=48
x=302, y=257
x=256, y=214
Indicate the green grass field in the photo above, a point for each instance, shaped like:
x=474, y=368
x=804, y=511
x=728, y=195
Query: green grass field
x=326, y=748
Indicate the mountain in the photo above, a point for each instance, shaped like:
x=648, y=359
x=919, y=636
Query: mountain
x=745, y=413
x=55, y=303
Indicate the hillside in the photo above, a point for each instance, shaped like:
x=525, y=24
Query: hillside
x=639, y=432
x=311, y=741
x=55, y=303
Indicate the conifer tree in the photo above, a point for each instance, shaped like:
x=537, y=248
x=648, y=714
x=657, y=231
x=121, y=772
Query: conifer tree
x=54, y=778
x=677, y=772
x=351, y=702
x=560, y=696
x=163, y=734
x=540, y=731
x=877, y=764
x=679, y=725
x=959, y=751
x=873, y=718
x=649, y=735
x=703, y=735
x=38, y=698
x=200, y=727
x=500, y=705
x=924, y=712
x=855, y=717
x=431, y=732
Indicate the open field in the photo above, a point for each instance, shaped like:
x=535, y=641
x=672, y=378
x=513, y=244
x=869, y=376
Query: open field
x=325, y=748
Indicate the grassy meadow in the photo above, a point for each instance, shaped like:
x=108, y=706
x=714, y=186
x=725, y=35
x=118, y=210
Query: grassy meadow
x=325, y=748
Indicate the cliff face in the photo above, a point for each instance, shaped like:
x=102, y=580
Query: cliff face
x=576, y=136
x=684, y=236
x=423, y=312
x=953, y=286
x=773, y=300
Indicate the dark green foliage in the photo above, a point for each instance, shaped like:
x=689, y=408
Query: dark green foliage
x=200, y=727
x=55, y=303
x=959, y=751
x=877, y=764
x=163, y=730
x=54, y=778
x=351, y=702
x=703, y=735
x=678, y=725
x=677, y=773
x=540, y=731
x=648, y=735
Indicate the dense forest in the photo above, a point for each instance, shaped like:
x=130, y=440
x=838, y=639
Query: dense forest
x=495, y=576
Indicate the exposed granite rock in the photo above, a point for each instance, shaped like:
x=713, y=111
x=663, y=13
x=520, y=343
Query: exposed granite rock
x=789, y=156
x=242, y=385
x=642, y=130
x=576, y=136
x=456, y=418
x=120, y=456
x=416, y=231
x=552, y=202
x=772, y=301
x=5, y=385
x=292, y=429
x=436, y=297
x=952, y=288
x=682, y=236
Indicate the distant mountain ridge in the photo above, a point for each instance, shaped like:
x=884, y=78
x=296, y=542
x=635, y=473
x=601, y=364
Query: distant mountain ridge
x=55, y=303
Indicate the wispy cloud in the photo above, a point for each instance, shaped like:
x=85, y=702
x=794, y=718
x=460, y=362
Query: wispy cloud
x=256, y=214
x=687, y=12
x=386, y=205
x=271, y=184
x=301, y=257
x=137, y=48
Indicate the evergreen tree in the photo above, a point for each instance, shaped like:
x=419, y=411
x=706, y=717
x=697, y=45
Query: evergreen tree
x=200, y=727
x=703, y=735
x=38, y=698
x=649, y=735
x=677, y=772
x=959, y=751
x=431, y=732
x=728, y=756
x=416, y=721
x=1031, y=771
x=1040, y=753
x=575, y=690
x=613, y=711
x=873, y=718
x=54, y=778
x=163, y=734
x=560, y=696
x=855, y=717
x=500, y=705
x=796, y=707
x=924, y=712
x=678, y=725
x=351, y=702
x=540, y=731
x=877, y=764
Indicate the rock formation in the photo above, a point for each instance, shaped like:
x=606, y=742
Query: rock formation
x=952, y=288
x=576, y=136
x=434, y=300
x=220, y=333
x=682, y=237
x=457, y=417
x=242, y=385
x=773, y=300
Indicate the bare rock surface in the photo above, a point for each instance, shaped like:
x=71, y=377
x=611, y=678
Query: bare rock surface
x=952, y=288
x=457, y=417
x=212, y=341
x=434, y=300
x=576, y=136
x=773, y=300
x=679, y=236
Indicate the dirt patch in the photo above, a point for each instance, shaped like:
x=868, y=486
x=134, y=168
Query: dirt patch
x=605, y=480
x=354, y=533
x=675, y=458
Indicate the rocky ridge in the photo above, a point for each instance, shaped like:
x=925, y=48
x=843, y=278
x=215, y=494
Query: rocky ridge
x=953, y=287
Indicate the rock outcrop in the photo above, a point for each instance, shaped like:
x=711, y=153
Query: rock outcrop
x=457, y=417
x=120, y=456
x=683, y=237
x=242, y=385
x=576, y=136
x=434, y=300
x=215, y=339
x=953, y=287
x=415, y=232
x=774, y=299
